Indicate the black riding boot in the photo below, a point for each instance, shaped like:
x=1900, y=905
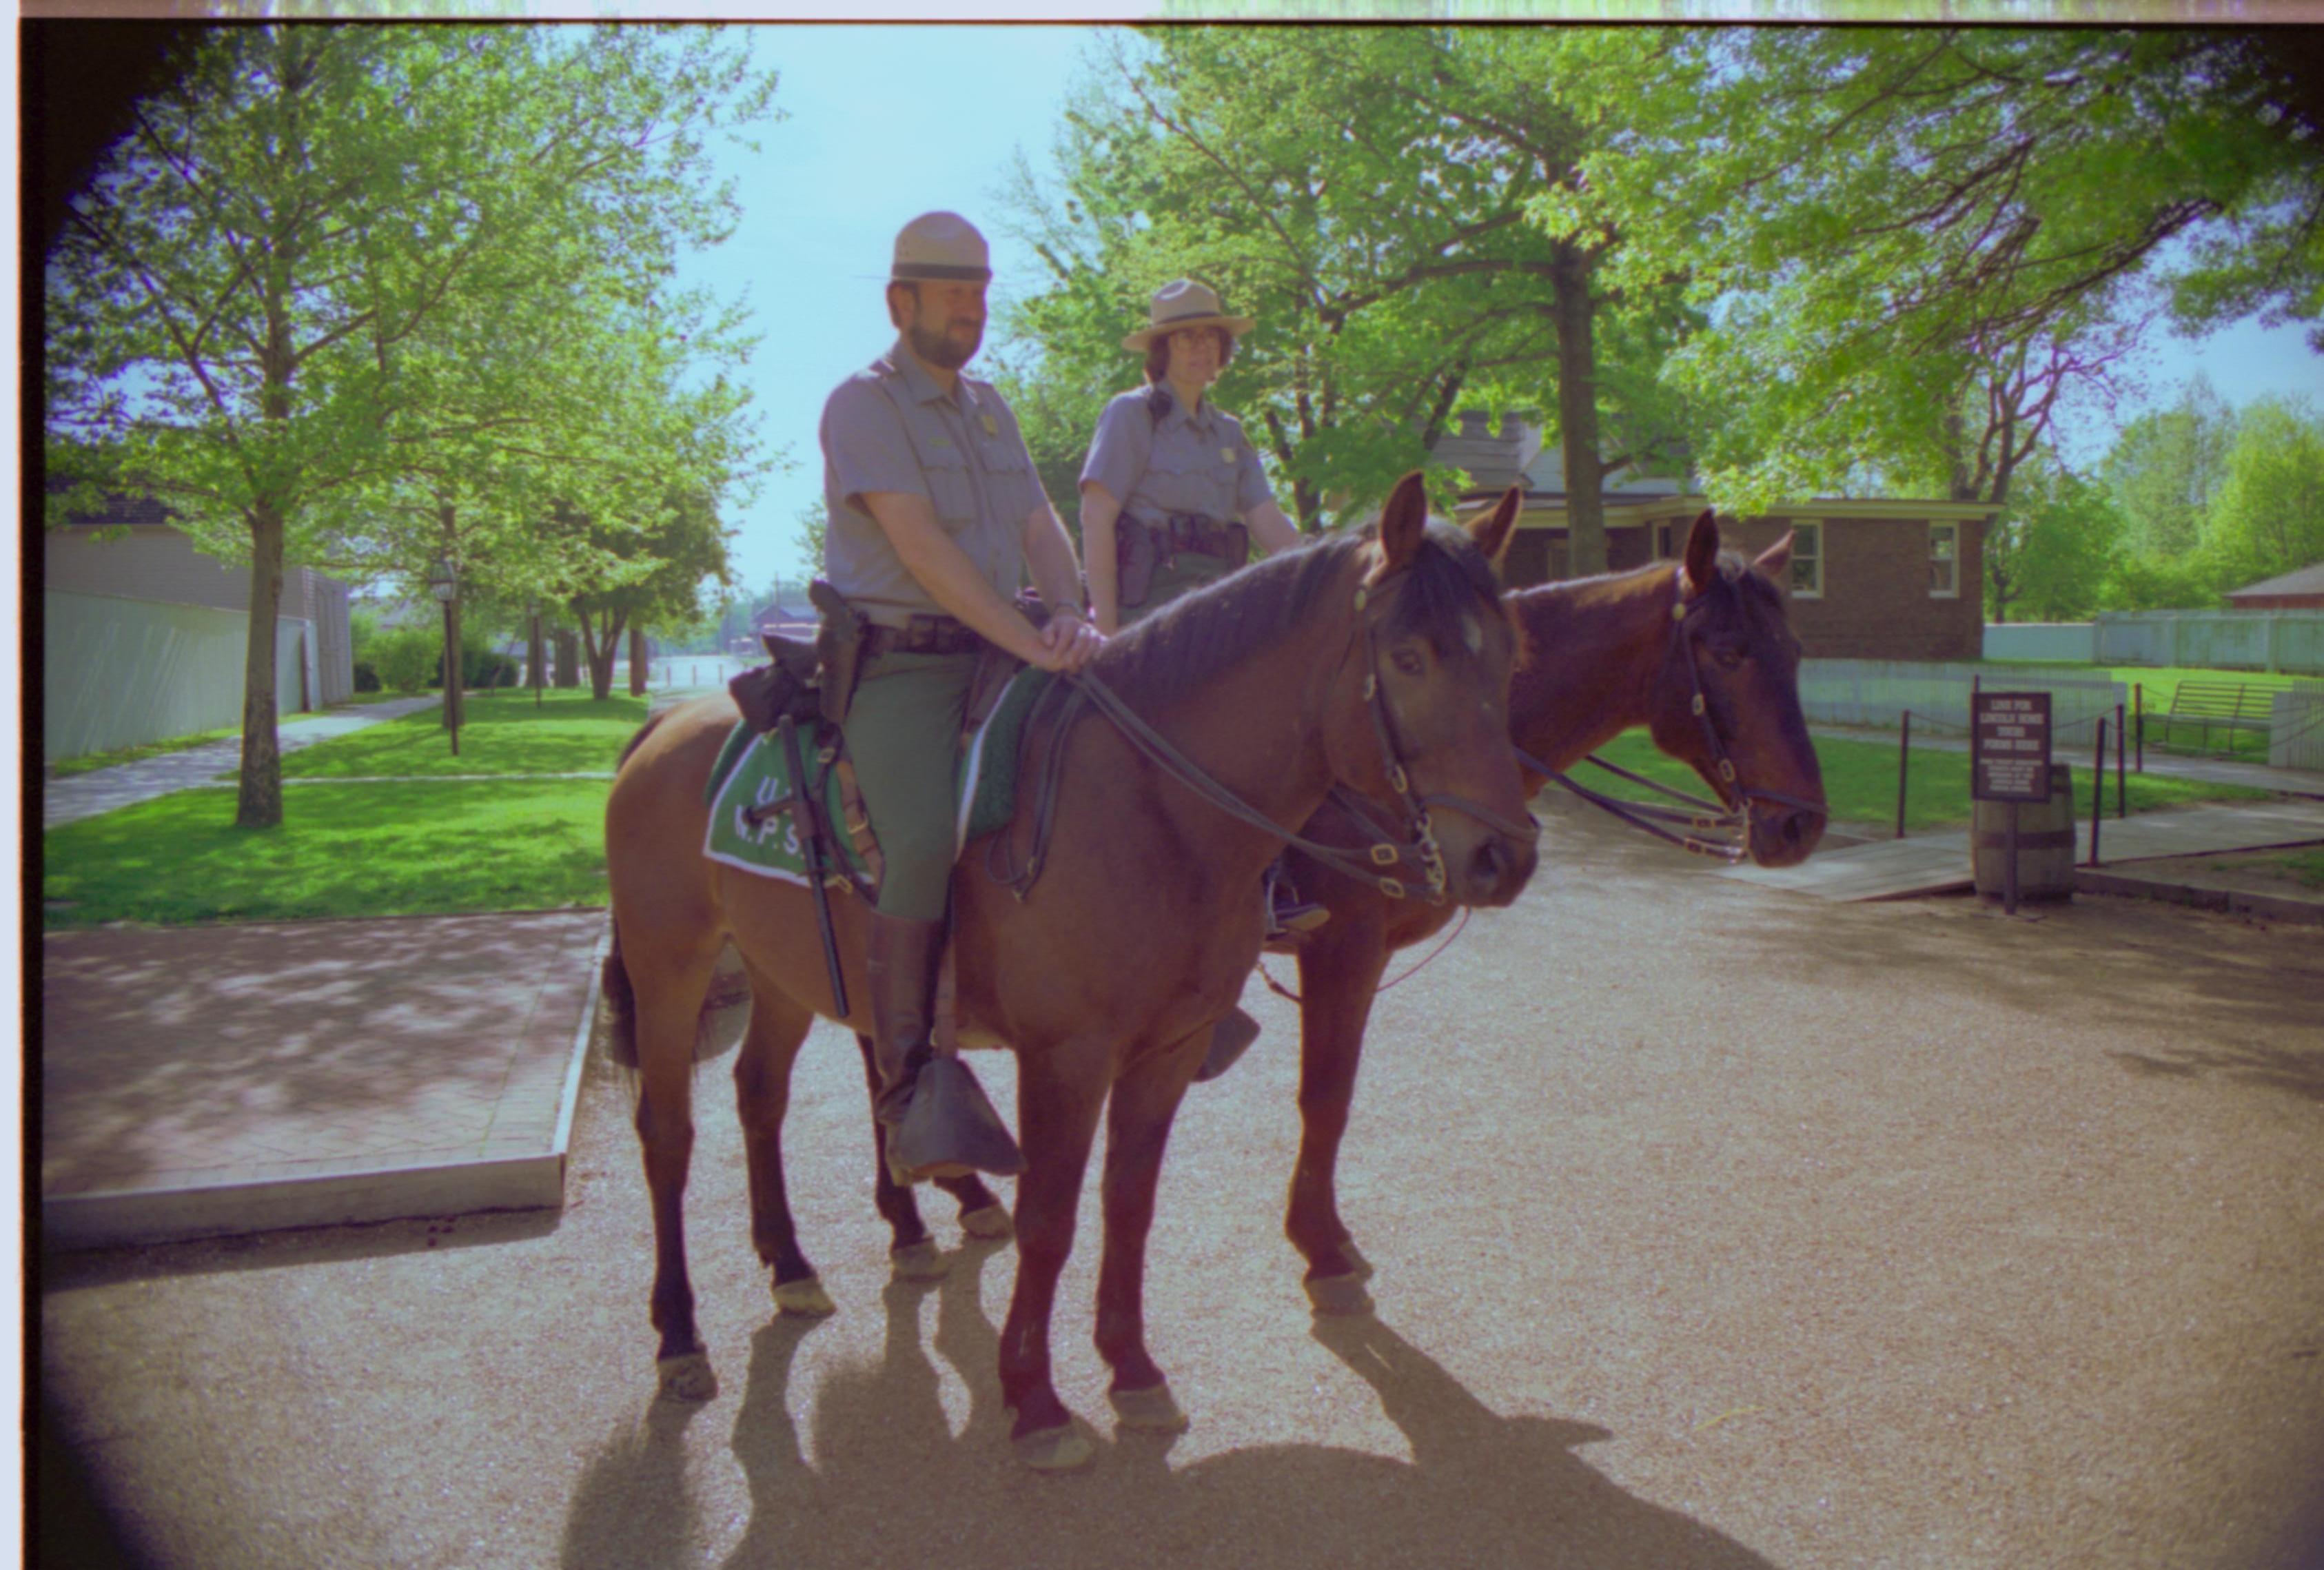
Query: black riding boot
x=939, y=1122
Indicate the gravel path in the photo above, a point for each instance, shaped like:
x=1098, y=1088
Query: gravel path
x=1716, y=1226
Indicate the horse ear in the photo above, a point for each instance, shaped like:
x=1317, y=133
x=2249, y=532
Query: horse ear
x=1404, y=521
x=1703, y=551
x=1775, y=561
x=1493, y=532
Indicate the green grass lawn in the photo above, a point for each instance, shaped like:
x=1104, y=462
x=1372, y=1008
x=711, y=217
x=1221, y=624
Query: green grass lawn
x=569, y=732
x=64, y=769
x=397, y=849
x=1859, y=782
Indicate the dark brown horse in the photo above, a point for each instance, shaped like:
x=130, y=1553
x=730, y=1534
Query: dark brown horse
x=1606, y=653
x=1382, y=666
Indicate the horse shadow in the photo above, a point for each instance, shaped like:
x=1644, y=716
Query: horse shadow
x=891, y=1482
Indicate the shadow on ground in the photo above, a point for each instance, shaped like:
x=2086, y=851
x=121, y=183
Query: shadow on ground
x=890, y=1482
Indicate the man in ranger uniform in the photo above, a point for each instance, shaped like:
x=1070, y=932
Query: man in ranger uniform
x=935, y=515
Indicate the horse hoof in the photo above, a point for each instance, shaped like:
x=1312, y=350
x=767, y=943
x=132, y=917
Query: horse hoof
x=687, y=1377
x=1339, y=1295
x=988, y=1224
x=1358, y=1266
x=1148, y=1411
x=804, y=1297
x=919, y=1261
x=1058, y=1449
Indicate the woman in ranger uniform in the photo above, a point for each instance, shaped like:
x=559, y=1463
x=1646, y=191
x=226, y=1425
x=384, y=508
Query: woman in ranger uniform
x=1172, y=495
x=1171, y=492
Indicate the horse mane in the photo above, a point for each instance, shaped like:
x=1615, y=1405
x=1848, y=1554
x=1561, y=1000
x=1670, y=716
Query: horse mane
x=1571, y=595
x=1182, y=647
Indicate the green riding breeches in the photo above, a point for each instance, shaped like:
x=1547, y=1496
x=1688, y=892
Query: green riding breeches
x=903, y=732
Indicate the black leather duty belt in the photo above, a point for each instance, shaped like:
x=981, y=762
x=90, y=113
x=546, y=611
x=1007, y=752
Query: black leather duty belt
x=1191, y=533
x=922, y=636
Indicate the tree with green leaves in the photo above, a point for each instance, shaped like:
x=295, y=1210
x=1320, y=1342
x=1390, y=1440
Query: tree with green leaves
x=2268, y=517
x=269, y=300
x=2048, y=555
x=1366, y=195
x=2165, y=467
x=1888, y=227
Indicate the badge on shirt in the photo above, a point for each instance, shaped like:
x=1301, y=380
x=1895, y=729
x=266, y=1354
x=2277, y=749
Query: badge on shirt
x=1226, y=454
x=992, y=426
x=939, y=442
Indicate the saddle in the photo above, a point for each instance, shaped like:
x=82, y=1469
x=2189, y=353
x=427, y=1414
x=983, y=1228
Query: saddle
x=811, y=683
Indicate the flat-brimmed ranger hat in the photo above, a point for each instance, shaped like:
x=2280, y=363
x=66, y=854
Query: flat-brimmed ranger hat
x=1185, y=304
x=940, y=247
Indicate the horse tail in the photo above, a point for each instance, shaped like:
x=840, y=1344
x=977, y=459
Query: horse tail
x=621, y=1006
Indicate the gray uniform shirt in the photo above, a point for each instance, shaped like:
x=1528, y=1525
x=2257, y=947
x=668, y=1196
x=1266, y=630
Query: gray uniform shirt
x=1188, y=461
x=890, y=428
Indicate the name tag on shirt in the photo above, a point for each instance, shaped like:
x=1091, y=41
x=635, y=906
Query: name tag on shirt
x=1226, y=454
x=939, y=442
x=992, y=426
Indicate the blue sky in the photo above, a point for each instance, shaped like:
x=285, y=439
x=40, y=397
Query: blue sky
x=888, y=121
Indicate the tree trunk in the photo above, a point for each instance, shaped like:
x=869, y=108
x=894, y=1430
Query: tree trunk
x=568, y=658
x=639, y=663
x=600, y=652
x=258, y=803
x=536, y=656
x=1577, y=414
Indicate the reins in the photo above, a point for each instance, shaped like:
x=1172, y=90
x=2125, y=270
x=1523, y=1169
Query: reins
x=1420, y=853
x=1696, y=814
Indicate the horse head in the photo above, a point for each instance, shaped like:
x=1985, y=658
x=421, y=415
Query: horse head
x=1421, y=712
x=1726, y=698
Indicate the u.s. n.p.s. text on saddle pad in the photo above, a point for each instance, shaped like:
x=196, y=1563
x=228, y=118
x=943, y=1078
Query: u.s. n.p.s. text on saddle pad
x=758, y=777
x=751, y=772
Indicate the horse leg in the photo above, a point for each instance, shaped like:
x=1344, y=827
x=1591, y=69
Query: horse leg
x=1339, y=973
x=911, y=1255
x=1138, y=1127
x=762, y=1094
x=670, y=992
x=1056, y=1120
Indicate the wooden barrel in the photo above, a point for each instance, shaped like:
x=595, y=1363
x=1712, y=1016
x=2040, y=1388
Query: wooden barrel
x=2045, y=842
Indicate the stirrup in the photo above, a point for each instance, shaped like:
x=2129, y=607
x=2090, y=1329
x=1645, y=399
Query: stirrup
x=949, y=1129
x=1289, y=918
x=1231, y=1037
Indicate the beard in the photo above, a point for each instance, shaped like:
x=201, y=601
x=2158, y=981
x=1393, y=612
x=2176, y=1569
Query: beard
x=943, y=349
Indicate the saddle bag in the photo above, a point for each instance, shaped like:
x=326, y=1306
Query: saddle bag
x=787, y=685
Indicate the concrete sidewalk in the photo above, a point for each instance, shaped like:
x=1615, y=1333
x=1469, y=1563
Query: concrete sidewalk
x=80, y=796
x=196, y=1081
x=1936, y=863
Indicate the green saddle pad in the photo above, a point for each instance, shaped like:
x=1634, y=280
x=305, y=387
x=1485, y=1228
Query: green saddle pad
x=752, y=771
x=988, y=770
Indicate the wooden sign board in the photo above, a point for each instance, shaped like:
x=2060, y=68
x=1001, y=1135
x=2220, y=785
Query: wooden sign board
x=2009, y=747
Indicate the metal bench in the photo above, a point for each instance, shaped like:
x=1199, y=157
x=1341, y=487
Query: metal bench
x=2229, y=707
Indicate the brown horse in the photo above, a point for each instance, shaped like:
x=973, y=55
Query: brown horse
x=1381, y=665
x=1606, y=653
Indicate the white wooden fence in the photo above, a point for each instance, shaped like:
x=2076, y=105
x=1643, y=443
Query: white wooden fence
x=1877, y=692
x=2214, y=640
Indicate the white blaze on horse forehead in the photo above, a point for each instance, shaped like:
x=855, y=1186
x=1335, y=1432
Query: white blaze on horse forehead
x=1473, y=632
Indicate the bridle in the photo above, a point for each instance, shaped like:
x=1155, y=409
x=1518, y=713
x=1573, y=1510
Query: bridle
x=1396, y=861
x=1729, y=818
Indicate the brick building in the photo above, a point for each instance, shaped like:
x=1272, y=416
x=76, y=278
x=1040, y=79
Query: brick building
x=1870, y=579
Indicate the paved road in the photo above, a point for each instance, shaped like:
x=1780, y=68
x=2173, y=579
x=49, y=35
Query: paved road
x=80, y=796
x=1716, y=1228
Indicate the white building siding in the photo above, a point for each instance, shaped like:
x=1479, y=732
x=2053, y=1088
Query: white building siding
x=117, y=672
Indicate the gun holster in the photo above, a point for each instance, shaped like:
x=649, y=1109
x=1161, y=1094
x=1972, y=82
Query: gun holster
x=1135, y=553
x=838, y=648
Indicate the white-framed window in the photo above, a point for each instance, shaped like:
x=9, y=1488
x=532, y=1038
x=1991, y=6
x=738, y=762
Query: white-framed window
x=1807, y=558
x=1944, y=562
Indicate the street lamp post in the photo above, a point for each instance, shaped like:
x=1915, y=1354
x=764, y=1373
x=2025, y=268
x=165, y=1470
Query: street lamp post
x=446, y=583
